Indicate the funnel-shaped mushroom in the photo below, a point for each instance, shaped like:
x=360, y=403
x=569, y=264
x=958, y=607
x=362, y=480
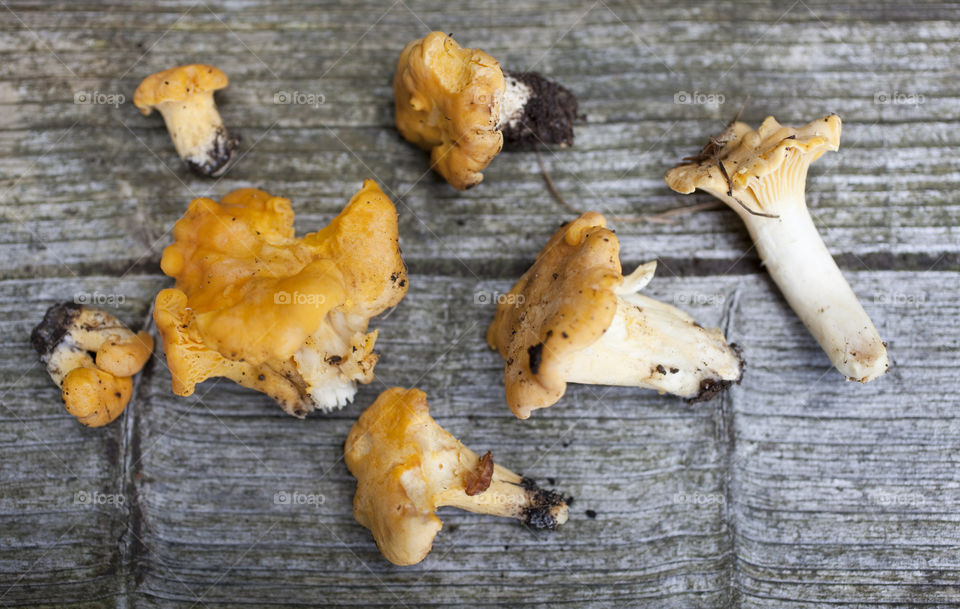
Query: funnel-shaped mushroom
x=96, y=388
x=574, y=318
x=184, y=97
x=275, y=313
x=458, y=104
x=762, y=175
x=407, y=466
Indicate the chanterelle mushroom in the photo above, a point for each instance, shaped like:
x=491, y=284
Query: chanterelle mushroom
x=97, y=388
x=184, y=96
x=574, y=318
x=458, y=104
x=407, y=466
x=762, y=175
x=275, y=313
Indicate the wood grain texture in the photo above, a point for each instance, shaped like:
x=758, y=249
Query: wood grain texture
x=795, y=489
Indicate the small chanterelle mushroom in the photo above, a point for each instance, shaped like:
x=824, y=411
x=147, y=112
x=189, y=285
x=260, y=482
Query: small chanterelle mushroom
x=96, y=388
x=574, y=318
x=275, y=313
x=458, y=104
x=762, y=175
x=184, y=96
x=407, y=466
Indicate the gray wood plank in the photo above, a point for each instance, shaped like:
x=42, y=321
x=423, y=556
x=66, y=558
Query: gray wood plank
x=795, y=490
x=624, y=454
x=64, y=508
x=842, y=493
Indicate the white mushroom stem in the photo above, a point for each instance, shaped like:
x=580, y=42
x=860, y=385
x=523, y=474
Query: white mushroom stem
x=510, y=496
x=198, y=134
x=446, y=463
x=515, y=98
x=797, y=259
x=337, y=356
x=655, y=345
x=65, y=359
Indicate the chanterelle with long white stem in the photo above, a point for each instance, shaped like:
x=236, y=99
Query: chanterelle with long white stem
x=762, y=175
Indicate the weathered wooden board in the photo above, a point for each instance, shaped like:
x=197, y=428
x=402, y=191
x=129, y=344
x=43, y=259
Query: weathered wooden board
x=795, y=489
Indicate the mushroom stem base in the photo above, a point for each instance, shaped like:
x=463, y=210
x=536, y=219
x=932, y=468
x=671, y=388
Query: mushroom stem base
x=513, y=496
x=536, y=112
